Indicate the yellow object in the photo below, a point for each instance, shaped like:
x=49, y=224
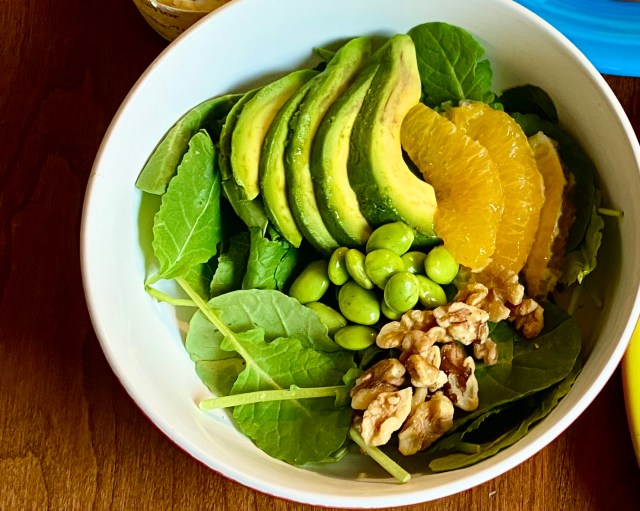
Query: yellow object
x=631, y=386
x=170, y=18
x=522, y=184
x=543, y=270
x=465, y=179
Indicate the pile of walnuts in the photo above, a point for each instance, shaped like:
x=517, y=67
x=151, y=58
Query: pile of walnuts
x=417, y=392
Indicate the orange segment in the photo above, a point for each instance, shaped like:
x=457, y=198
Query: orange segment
x=542, y=269
x=465, y=180
x=522, y=184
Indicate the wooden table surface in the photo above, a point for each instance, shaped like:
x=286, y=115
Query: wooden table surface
x=70, y=437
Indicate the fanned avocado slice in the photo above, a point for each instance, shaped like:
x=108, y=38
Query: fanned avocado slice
x=250, y=211
x=335, y=79
x=252, y=125
x=337, y=201
x=386, y=188
x=273, y=182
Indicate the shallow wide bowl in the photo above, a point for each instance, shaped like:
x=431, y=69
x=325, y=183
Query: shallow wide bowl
x=241, y=44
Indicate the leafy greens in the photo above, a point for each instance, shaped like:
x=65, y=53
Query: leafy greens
x=248, y=341
x=451, y=64
x=186, y=229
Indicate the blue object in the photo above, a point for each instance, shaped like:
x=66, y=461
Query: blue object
x=606, y=31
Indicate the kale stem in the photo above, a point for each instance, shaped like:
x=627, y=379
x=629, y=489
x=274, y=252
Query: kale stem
x=610, y=212
x=261, y=396
x=202, y=305
x=164, y=297
x=575, y=297
x=380, y=458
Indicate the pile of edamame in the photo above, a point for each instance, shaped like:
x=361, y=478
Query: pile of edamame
x=388, y=279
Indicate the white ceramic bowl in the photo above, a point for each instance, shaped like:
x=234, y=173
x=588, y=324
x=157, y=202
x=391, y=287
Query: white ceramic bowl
x=242, y=43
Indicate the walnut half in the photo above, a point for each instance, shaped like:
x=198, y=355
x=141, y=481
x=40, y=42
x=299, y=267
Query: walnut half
x=385, y=415
x=460, y=370
x=384, y=376
x=428, y=422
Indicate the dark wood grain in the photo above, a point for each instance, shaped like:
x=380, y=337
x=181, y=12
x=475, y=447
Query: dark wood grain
x=70, y=437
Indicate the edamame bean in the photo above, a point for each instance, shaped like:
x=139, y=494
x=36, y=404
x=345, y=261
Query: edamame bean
x=354, y=261
x=396, y=236
x=440, y=265
x=358, y=304
x=389, y=313
x=402, y=291
x=431, y=294
x=330, y=317
x=312, y=283
x=356, y=337
x=414, y=261
x=381, y=264
x=337, y=269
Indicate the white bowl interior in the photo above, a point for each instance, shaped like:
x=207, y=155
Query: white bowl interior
x=243, y=43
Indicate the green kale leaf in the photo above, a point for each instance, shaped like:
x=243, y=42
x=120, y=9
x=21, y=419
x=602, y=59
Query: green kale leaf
x=261, y=340
x=297, y=431
x=582, y=261
x=271, y=261
x=275, y=313
x=529, y=99
x=232, y=264
x=451, y=64
x=186, y=228
x=161, y=165
x=498, y=428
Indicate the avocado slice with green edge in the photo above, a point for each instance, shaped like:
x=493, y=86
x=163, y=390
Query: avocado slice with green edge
x=227, y=133
x=250, y=211
x=337, y=202
x=386, y=188
x=252, y=125
x=348, y=61
x=163, y=162
x=273, y=183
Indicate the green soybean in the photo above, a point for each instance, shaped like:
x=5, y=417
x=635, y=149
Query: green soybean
x=396, y=236
x=414, y=261
x=312, y=283
x=431, y=294
x=381, y=264
x=354, y=261
x=356, y=337
x=337, y=269
x=389, y=313
x=330, y=317
x=358, y=304
x=402, y=291
x=440, y=265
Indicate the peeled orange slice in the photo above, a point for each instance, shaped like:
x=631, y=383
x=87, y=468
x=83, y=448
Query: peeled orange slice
x=522, y=184
x=465, y=180
x=543, y=265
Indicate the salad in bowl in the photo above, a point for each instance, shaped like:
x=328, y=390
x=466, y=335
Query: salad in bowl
x=376, y=259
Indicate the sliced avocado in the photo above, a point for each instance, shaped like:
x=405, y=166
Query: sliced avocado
x=250, y=211
x=273, y=183
x=386, y=188
x=339, y=73
x=252, y=125
x=227, y=133
x=337, y=202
